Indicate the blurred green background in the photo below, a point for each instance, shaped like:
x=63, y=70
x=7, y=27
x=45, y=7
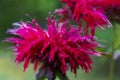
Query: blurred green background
x=14, y=10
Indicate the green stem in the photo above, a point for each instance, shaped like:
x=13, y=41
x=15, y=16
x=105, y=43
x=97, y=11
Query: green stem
x=111, y=75
x=112, y=70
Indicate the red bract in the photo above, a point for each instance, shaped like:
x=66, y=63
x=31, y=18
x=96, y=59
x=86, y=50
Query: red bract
x=60, y=46
x=84, y=9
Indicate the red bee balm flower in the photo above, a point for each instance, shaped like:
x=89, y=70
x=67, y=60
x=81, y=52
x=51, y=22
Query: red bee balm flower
x=110, y=7
x=84, y=9
x=60, y=46
x=107, y=3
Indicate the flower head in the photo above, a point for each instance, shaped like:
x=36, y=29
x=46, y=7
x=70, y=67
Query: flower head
x=111, y=8
x=84, y=9
x=107, y=3
x=60, y=46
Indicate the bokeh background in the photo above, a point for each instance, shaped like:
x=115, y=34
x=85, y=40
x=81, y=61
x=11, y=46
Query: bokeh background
x=14, y=10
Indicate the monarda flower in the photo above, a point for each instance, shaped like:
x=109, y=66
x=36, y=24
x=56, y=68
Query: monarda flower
x=84, y=9
x=111, y=8
x=60, y=47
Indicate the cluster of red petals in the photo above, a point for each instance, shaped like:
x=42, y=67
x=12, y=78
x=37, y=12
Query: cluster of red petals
x=107, y=3
x=111, y=8
x=60, y=46
x=85, y=10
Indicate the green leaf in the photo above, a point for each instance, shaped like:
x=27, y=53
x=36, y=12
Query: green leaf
x=108, y=55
